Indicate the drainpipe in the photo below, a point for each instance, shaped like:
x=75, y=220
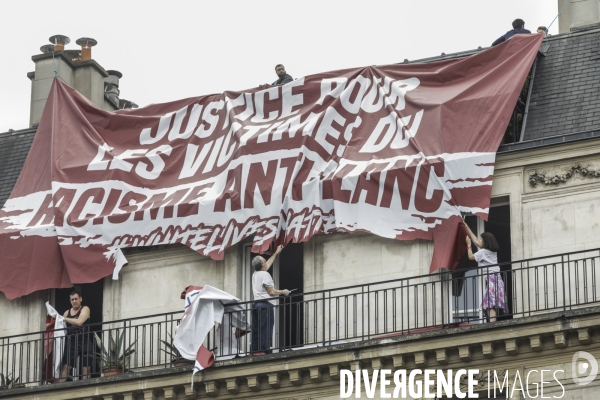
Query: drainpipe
x=528, y=99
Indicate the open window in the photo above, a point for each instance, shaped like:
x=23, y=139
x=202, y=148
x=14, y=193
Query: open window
x=92, y=294
x=468, y=284
x=288, y=273
x=516, y=126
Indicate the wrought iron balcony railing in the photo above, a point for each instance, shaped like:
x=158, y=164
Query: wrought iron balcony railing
x=320, y=318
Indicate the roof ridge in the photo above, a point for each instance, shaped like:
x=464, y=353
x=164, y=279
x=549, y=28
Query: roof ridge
x=12, y=132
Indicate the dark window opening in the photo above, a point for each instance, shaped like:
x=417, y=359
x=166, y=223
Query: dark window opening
x=467, y=284
x=289, y=329
x=92, y=294
x=291, y=276
x=518, y=117
x=498, y=224
x=464, y=284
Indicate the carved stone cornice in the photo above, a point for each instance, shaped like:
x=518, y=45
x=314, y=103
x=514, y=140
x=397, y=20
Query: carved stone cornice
x=576, y=169
x=502, y=346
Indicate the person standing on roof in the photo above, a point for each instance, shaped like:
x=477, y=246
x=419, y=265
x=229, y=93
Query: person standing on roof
x=518, y=28
x=283, y=77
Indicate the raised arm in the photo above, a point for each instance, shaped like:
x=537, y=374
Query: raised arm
x=498, y=41
x=473, y=237
x=469, y=249
x=271, y=259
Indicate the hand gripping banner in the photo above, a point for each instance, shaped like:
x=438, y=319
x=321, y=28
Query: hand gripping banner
x=398, y=151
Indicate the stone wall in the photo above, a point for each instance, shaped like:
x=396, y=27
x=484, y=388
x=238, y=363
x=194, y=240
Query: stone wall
x=22, y=315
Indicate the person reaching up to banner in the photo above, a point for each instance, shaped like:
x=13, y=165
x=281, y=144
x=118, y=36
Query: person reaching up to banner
x=263, y=315
x=494, y=294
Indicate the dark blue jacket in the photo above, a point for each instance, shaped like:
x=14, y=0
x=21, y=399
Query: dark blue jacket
x=509, y=34
x=283, y=80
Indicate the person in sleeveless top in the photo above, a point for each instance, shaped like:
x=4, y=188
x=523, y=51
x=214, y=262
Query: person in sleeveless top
x=494, y=297
x=77, y=339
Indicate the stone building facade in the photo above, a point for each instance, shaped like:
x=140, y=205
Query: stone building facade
x=545, y=203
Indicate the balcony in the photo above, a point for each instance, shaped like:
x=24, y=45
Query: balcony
x=310, y=324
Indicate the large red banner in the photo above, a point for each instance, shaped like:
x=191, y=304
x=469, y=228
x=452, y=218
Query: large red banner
x=398, y=151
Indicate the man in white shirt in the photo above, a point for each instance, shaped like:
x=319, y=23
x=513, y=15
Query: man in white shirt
x=263, y=315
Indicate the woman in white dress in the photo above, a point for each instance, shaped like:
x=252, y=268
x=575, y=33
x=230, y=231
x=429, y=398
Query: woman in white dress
x=494, y=297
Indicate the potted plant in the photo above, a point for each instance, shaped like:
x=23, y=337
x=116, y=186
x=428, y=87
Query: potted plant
x=176, y=358
x=114, y=359
x=7, y=382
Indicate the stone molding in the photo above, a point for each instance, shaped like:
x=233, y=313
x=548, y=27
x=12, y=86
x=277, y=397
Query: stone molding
x=576, y=169
x=502, y=345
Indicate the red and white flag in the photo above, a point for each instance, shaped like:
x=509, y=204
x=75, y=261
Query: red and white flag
x=205, y=306
x=398, y=151
x=54, y=340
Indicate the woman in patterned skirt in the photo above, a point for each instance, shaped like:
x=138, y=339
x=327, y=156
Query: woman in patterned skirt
x=494, y=297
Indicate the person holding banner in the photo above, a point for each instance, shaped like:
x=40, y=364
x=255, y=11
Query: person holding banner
x=494, y=295
x=518, y=29
x=77, y=339
x=283, y=76
x=263, y=315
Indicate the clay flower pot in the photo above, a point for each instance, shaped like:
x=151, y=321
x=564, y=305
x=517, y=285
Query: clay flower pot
x=112, y=371
x=181, y=362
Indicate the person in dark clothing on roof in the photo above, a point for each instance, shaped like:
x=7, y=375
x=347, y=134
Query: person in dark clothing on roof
x=283, y=77
x=518, y=28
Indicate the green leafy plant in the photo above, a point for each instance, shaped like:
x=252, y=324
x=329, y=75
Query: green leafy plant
x=7, y=382
x=114, y=356
x=170, y=348
x=176, y=357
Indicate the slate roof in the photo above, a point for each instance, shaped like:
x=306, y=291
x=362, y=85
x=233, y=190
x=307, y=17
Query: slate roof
x=566, y=88
x=565, y=99
x=14, y=147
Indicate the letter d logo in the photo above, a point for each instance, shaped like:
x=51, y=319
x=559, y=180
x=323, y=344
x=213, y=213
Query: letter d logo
x=581, y=367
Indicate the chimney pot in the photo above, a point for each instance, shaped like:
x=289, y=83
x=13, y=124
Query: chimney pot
x=74, y=55
x=111, y=86
x=59, y=42
x=115, y=73
x=86, y=47
x=47, y=48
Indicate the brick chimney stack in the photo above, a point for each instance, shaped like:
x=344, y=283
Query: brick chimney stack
x=76, y=68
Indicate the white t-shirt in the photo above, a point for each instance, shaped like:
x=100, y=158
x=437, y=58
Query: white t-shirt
x=260, y=279
x=485, y=257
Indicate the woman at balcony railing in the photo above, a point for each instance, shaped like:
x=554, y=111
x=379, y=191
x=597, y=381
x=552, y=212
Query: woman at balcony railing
x=487, y=258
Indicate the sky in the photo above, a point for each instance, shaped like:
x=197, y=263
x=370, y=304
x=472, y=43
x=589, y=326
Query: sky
x=175, y=49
